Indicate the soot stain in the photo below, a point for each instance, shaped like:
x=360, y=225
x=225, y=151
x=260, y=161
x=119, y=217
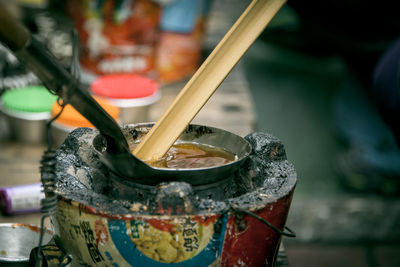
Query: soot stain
x=264, y=177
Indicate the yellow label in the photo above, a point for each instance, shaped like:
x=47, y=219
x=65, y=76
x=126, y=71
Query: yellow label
x=183, y=240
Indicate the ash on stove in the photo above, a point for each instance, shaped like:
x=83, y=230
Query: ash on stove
x=264, y=177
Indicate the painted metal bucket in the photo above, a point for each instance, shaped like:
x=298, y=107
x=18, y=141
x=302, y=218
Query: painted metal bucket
x=173, y=226
x=124, y=240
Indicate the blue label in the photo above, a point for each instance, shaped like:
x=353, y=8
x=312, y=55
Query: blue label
x=180, y=16
x=123, y=242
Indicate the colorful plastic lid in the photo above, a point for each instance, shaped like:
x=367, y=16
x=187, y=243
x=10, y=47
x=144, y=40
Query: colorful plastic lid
x=124, y=86
x=70, y=117
x=32, y=99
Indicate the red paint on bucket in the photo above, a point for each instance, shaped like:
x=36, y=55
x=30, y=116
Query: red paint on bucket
x=257, y=244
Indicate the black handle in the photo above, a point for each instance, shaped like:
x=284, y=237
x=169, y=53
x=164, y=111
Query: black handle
x=12, y=32
x=57, y=79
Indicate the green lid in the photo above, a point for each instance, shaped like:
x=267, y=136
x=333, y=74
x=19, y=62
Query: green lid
x=29, y=99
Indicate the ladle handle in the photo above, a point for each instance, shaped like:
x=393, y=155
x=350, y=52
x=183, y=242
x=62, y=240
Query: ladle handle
x=207, y=78
x=12, y=33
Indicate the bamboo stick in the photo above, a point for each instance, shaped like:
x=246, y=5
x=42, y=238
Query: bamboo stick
x=207, y=79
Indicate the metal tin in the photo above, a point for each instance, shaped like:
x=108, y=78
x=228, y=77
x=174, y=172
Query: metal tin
x=219, y=239
x=16, y=242
x=116, y=36
x=70, y=119
x=248, y=241
x=135, y=110
x=182, y=31
x=27, y=110
x=129, y=240
x=132, y=94
x=172, y=227
x=21, y=123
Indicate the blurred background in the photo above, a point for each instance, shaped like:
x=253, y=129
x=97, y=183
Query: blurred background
x=316, y=77
x=323, y=77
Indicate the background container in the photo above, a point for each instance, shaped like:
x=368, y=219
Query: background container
x=116, y=36
x=27, y=109
x=71, y=119
x=21, y=198
x=132, y=94
x=183, y=25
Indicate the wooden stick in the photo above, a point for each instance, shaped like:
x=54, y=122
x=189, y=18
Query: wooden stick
x=207, y=79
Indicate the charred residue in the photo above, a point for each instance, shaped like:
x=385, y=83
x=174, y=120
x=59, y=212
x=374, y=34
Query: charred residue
x=197, y=130
x=263, y=178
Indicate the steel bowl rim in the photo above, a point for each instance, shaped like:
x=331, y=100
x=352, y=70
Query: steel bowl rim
x=236, y=161
x=5, y=259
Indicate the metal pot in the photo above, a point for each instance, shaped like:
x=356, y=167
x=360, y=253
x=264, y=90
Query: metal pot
x=16, y=242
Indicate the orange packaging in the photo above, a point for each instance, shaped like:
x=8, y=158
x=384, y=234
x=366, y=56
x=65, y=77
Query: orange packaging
x=179, y=54
x=181, y=38
x=116, y=36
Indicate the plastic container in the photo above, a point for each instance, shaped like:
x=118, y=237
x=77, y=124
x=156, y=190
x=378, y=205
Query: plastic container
x=71, y=119
x=27, y=109
x=180, y=44
x=132, y=94
x=116, y=36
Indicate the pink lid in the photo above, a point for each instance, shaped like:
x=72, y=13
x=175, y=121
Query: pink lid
x=125, y=86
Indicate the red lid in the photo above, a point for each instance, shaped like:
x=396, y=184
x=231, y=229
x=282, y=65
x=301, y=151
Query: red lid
x=124, y=86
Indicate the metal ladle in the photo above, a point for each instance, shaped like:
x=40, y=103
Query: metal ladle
x=117, y=156
x=61, y=82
